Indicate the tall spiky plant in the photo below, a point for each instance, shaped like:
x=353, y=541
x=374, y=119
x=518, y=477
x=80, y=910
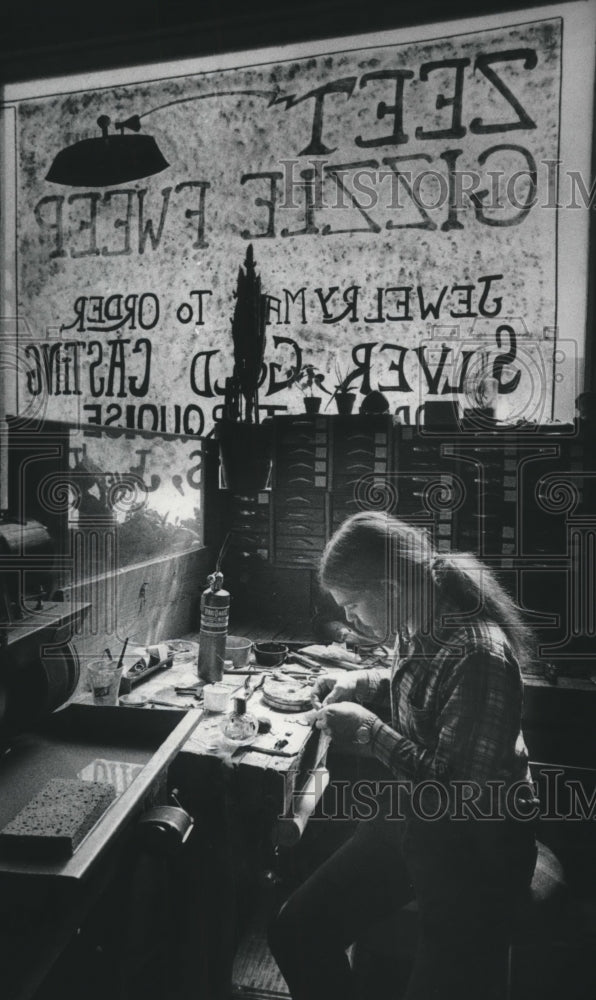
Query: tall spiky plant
x=248, y=333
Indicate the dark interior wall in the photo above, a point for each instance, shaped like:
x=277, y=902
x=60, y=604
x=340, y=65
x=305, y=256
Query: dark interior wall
x=39, y=38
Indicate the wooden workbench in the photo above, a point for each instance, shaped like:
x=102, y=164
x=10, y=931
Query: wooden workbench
x=236, y=796
x=44, y=901
x=302, y=747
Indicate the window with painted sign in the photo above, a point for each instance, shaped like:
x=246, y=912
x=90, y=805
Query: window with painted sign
x=145, y=500
x=417, y=203
x=101, y=499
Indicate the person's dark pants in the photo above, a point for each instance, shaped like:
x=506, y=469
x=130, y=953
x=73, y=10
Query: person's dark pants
x=465, y=877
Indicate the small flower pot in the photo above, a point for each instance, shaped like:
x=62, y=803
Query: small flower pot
x=312, y=404
x=345, y=402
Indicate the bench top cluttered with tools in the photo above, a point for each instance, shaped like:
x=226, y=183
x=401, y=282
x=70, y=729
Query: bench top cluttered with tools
x=268, y=681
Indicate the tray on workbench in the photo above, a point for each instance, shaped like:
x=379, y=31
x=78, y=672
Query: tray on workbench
x=70, y=741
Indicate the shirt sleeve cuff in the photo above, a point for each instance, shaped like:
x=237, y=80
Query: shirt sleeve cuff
x=383, y=740
x=363, y=691
x=371, y=683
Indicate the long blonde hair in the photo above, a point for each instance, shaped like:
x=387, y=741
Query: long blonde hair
x=423, y=587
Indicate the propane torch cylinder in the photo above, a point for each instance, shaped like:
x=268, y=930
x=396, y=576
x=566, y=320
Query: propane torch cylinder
x=215, y=610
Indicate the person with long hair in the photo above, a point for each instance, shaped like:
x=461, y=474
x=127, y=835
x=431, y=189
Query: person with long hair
x=461, y=841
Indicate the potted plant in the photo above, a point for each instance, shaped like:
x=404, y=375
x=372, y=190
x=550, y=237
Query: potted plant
x=244, y=442
x=343, y=396
x=309, y=379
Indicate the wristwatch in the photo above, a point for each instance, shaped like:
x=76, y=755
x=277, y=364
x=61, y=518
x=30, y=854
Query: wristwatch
x=363, y=734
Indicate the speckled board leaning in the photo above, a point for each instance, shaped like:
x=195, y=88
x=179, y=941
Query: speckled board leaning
x=54, y=822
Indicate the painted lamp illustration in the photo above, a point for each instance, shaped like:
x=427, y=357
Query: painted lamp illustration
x=117, y=157
x=111, y=158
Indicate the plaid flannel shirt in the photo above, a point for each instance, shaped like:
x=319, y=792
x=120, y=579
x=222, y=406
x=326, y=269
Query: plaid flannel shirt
x=455, y=709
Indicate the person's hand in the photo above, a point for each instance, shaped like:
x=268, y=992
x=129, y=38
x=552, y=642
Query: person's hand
x=342, y=719
x=330, y=688
x=348, y=635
